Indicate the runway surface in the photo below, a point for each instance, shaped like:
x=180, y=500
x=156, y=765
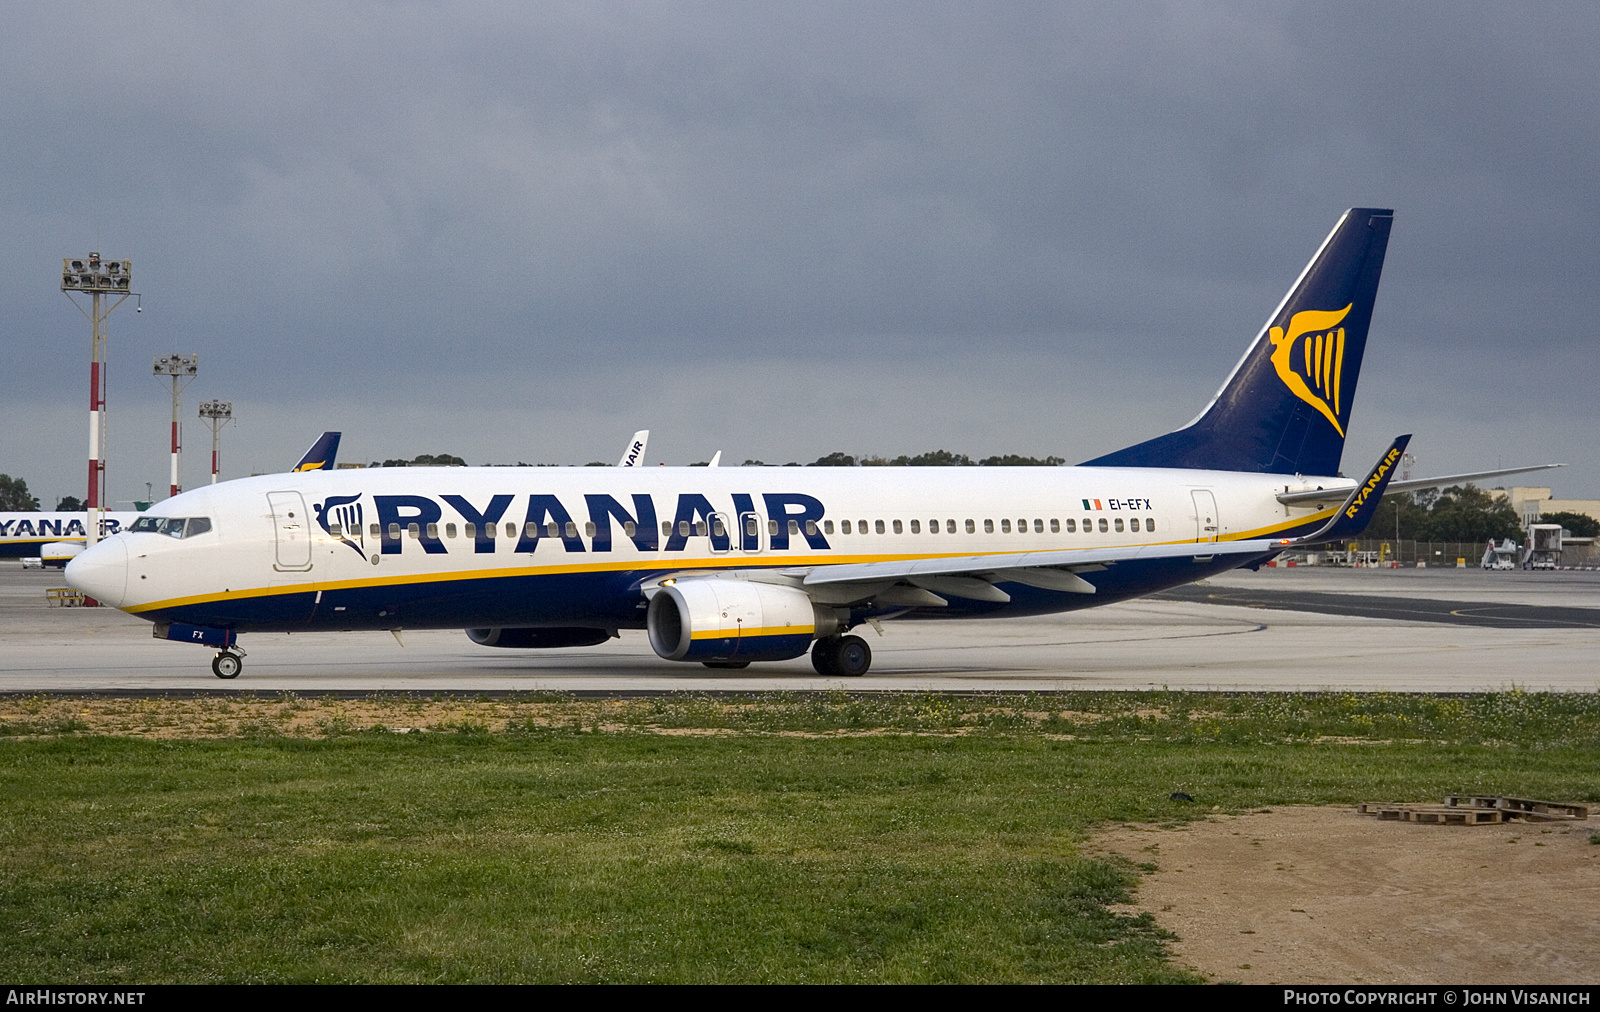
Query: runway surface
x=1280, y=629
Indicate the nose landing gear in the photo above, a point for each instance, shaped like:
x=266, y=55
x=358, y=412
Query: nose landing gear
x=841, y=656
x=226, y=664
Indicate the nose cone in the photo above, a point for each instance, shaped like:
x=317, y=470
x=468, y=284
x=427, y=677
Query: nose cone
x=102, y=572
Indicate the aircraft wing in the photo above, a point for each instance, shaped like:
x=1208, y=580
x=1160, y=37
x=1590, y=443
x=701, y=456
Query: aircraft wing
x=633, y=456
x=1066, y=560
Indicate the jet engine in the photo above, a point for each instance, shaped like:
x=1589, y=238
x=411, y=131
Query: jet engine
x=734, y=621
x=525, y=639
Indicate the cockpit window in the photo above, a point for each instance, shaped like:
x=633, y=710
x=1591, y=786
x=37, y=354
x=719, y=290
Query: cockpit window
x=172, y=527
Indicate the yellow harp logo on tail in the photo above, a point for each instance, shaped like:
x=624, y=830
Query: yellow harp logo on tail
x=1314, y=344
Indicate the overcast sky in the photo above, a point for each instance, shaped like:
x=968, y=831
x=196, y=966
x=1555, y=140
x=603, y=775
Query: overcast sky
x=520, y=232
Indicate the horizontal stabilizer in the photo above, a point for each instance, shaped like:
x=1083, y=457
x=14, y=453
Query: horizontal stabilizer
x=1337, y=493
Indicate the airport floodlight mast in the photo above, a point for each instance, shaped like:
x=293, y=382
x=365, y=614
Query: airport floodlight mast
x=182, y=369
x=108, y=283
x=217, y=414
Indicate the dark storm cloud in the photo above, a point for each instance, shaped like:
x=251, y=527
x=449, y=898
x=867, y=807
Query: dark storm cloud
x=616, y=213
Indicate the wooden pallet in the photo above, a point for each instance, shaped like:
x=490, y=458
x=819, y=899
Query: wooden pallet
x=1523, y=808
x=1437, y=815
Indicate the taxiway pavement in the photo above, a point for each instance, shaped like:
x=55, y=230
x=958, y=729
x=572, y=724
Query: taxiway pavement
x=1277, y=629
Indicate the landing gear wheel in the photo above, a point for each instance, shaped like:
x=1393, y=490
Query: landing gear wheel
x=226, y=665
x=843, y=657
x=852, y=657
x=726, y=664
x=822, y=657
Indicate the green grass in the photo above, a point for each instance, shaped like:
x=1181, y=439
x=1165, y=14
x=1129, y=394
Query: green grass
x=809, y=839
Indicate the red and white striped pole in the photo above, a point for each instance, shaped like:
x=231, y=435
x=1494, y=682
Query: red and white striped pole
x=182, y=369
x=96, y=278
x=177, y=446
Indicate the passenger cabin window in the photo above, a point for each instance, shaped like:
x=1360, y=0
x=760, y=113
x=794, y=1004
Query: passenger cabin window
x=375, y=530
x=433, y=532
x=772, y=528
x=897, y=528
x=1055, y=526
x=1118, y=525
x=1133, y=524
x=861, y=525
x=811, y=527
x=572, y=529
x=449, y=530
x=1072, y=525
x=413, y=532
x=630, y=528
x=511, y=529
x=588, y=528
x=794, y=527
x=683, y=528
x=950, y=526
x=552, y=529
x=394, y=532
x=827, y=526
x=751, y=528
x=1038, y=526
x=844, y=527
x=972, y=526
x=916, y=526
x=1102, y=525
x=335, y=531
x=988, y=526
x=1005, y=526
x=717, y=529
x=877, y=525
x=666, y=528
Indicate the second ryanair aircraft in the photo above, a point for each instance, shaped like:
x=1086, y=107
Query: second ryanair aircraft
x=725, y=566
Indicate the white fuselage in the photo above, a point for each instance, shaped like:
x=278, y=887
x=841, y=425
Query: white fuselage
x=410, y=547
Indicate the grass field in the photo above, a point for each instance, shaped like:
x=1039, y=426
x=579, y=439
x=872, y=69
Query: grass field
x=812, y=838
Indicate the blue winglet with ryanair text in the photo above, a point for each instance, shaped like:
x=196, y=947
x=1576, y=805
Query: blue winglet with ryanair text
x=1356, y=513
x=321, y=455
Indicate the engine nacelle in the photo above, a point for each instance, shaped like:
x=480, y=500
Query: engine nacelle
x=734, y=620
x=530, y=639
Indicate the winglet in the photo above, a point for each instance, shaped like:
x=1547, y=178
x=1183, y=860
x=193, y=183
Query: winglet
x=321, y=455
x=1356, y=513
x=634, y=455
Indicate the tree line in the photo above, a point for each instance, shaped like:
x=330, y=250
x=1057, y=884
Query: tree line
x=1463, y=513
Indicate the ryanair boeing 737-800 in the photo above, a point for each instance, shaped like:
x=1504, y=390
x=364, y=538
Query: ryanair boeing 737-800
x=725, y=566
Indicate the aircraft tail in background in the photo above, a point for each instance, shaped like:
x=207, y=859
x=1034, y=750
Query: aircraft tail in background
x=321, y=455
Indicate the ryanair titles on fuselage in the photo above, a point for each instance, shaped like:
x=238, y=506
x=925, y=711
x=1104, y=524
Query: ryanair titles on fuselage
x=21, y=532
x=595, y=522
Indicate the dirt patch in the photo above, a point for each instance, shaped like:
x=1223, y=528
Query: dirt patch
x=1325, y=896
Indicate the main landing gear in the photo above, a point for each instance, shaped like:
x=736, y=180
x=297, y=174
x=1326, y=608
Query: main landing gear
x=226, y=664
x=841, y=656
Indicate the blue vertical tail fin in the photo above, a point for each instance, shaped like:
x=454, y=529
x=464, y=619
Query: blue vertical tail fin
x=1286, y=407
x=321, y=455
